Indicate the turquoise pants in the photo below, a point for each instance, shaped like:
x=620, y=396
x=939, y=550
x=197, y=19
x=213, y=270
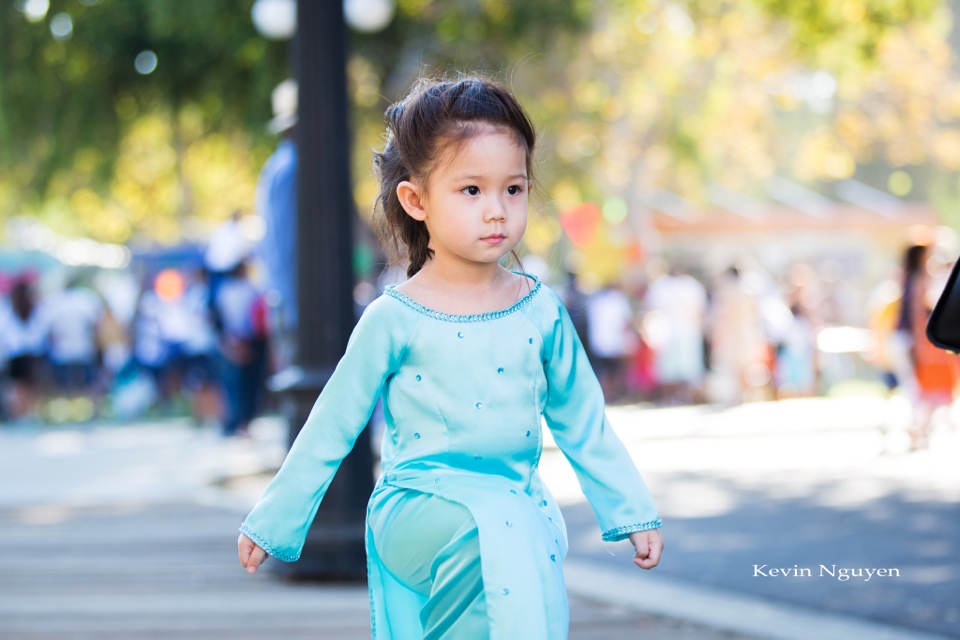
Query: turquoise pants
x=432, y=546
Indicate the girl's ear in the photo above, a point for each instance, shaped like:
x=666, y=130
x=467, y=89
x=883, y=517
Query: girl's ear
x=411, y=200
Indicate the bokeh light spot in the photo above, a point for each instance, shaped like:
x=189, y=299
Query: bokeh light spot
x=61, y=26
x=614, y=210
x=900, y=183
x=169, y=285
x=36, y=10
x=145, y=62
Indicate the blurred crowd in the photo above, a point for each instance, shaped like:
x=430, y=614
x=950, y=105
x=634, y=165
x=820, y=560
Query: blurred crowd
x=181, y=340
x=197, y=340
x=681, y=337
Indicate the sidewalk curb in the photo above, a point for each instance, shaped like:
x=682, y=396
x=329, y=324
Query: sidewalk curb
x=726, y=610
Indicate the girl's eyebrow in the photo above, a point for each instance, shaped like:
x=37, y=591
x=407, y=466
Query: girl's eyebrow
x=516, y=176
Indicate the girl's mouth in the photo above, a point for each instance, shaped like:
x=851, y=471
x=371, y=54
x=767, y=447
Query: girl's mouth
x=494, y=239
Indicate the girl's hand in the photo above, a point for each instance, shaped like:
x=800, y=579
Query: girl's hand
x=649, y=545
x=251, y=556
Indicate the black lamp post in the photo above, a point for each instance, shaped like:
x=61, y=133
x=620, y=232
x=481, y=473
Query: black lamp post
x=334, y=548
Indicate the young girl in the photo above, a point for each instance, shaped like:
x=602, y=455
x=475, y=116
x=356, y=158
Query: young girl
x=463, y=539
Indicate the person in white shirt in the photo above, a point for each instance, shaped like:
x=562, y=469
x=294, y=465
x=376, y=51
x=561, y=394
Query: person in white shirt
x=71, y=318
x=675, y=311
x=612, y=338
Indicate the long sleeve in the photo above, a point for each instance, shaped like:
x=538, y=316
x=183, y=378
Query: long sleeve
x=280, y=520
x=574, y=413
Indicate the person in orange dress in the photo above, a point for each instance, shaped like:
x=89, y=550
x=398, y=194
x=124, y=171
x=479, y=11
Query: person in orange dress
x=937, y=372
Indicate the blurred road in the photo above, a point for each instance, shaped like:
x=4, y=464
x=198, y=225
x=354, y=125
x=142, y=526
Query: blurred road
x=129, y=531
x=795, y=485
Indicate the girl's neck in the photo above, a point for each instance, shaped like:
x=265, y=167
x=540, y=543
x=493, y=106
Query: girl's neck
x=461, y=277
x=467, y=291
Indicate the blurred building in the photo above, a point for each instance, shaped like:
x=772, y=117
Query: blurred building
x=851, y=246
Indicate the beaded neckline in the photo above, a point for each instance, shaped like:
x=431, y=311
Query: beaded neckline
x=473, y=317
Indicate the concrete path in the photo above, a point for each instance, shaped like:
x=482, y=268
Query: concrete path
x=137, y=571
x=129, y=532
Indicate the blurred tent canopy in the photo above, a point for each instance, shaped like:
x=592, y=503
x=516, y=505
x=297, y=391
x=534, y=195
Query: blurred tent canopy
x=144, y=119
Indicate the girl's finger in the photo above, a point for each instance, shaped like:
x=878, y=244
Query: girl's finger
x=645, y=562
x=653, y=555
x=256, y=559
x=244, y=547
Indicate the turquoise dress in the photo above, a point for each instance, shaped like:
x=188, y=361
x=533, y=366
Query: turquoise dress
x=464, y=397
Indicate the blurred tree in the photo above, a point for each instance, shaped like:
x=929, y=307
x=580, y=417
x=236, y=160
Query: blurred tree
x=125, y=118
x=145, y=118
x=635, y=99
x=678, y=95
x=642, y=100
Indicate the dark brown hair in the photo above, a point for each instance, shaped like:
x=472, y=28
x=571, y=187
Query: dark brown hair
x=434, y=115
x=913, y=259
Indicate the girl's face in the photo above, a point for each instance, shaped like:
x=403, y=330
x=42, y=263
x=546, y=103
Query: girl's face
x=475, y=202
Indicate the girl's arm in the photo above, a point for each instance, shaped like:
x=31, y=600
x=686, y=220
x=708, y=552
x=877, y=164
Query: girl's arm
x=279, y=522
x=575, y=414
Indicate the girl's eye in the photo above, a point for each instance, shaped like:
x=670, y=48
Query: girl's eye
x=472, y=190
x=515, y=189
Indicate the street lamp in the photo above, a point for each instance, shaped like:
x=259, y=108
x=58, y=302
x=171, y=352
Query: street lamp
x=334, y=547
x=368, y=16
x=275, y=19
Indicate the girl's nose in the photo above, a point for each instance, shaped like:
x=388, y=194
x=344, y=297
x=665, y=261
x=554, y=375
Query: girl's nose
x=496, y=211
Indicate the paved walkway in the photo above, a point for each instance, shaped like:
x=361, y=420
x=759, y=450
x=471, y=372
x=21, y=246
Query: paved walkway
x=137, y=571
x=126, y=533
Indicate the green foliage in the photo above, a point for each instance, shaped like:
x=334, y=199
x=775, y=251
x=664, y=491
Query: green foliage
x=69, y=102
x=859, y=24
x=96, y=148
x=669, y=95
